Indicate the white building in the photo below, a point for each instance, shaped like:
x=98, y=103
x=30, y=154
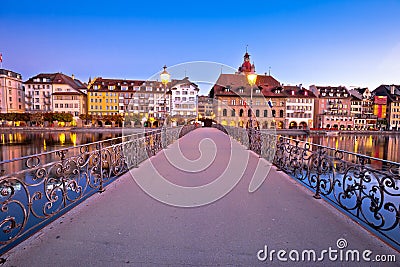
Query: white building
x=184, y=98
x=299, y=107
x=55, y=92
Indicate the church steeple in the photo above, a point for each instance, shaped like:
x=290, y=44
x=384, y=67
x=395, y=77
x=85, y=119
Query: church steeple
x=246, y=66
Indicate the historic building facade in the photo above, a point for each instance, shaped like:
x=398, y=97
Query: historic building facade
x=11, y=92
x=184, y=98
x=333, y=108
x=55, y=92
x=151, y=101
x=299, y=107
x=236, y=102
x=362, y=109
x=387, y=106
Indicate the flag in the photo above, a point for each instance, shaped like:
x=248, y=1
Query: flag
x=245, y=104
x=270, y=103
x=1, y=57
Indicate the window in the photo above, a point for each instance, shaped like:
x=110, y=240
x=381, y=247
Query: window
x=76, y=105
x=257, y=113
x=111, y=87
x=273, y=113
x=56, y=105
x=233, y=101
x=281, y=113
x=265, y=113
x=233, y=112
x=224, y=112
x=61, y=106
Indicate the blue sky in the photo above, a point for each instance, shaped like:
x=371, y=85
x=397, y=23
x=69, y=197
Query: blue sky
x=352, y=43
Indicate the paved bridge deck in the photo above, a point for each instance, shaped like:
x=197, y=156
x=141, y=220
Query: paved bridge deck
x=124, y=226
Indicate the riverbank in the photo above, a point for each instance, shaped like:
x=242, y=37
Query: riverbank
x=139, y=129
x=67, y=129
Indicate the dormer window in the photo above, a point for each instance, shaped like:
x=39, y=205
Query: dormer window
x=240, y=90
x=258, y=91
x=111, y=87
x=95, y=87
x=227, y=89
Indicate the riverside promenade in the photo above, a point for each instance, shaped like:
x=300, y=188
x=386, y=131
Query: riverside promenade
x=125, y=226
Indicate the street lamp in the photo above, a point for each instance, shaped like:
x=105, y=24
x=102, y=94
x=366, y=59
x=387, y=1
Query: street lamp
x=251, y=79
x=164, y=80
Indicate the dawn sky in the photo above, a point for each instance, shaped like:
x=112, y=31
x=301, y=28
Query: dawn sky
x=351, y=43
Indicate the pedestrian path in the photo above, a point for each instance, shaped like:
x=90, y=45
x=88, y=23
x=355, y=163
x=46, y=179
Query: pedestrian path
x=190, y=205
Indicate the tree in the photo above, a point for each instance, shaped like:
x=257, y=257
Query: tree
x=37, y=118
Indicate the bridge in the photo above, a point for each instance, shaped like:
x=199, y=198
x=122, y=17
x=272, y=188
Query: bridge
x=207, y=199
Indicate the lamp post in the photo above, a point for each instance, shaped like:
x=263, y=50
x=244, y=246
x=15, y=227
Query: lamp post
x=251, y=79
x=164, y=80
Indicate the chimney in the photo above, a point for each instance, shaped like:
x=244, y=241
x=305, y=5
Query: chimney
x=73, y=77
x=392, y=88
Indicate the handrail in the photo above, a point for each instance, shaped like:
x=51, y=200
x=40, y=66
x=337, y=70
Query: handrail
x=37, y=189
x=369, y=195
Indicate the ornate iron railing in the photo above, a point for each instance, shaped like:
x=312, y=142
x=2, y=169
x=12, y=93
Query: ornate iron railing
x=36, y=189
x=366, y=188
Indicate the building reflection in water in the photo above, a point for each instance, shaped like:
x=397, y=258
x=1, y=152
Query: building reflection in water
x=16, y=145
x=382, y=146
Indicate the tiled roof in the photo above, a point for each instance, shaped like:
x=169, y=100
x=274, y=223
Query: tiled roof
x=335, y=90
x=385, y=90
x=356, y=94
x=103, y=84
x=57, y=78
x=299, y=92
x=233, y=84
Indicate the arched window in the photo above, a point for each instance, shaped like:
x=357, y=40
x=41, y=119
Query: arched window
x=241, y=112
x=265, y=113
x=249, y=113
x=233, y=112
x=257, y=113
x=281, y=113
x=273, y=113
x=224, y=112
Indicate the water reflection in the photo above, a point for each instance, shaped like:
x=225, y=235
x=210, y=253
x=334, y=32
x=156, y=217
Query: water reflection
x=15, y=145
